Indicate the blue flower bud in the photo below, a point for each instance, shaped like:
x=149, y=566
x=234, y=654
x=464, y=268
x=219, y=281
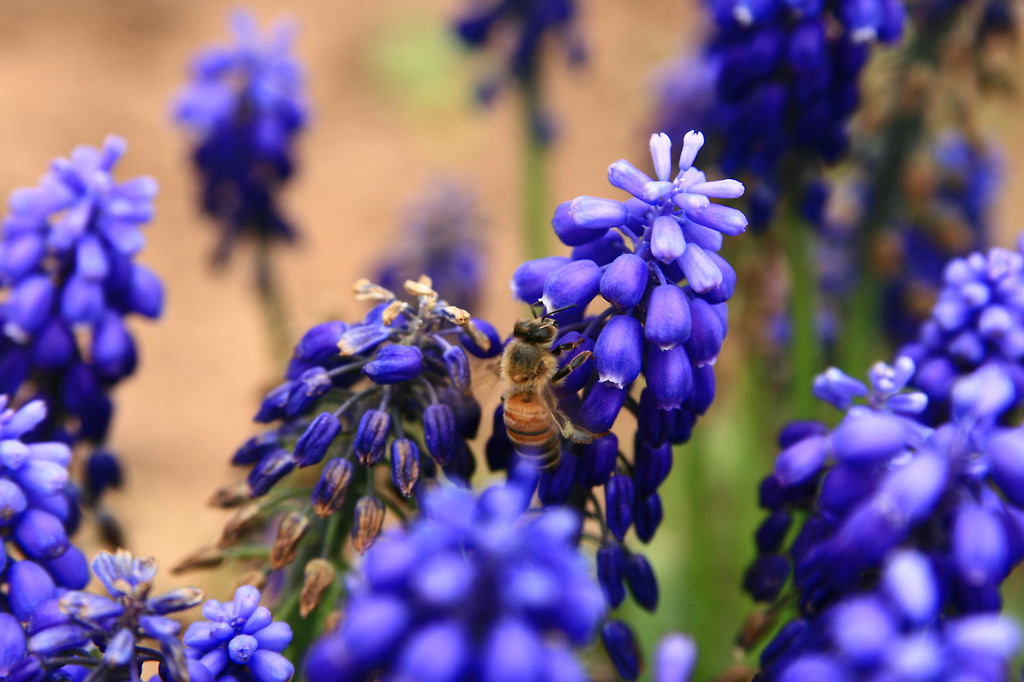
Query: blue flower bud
x=725, y=219
x=592, y=213
x=555, y=485
x=498, y=449
x=28, y=307
x=405, y=465
x=320, y=343
x=703, y=389
x=54, y=346
x=529, y=278
x=12, y=643
x=146, y=292
x=706, y=333
x=724, y=290
x=488, y=330
x=667, y=324
x=602, y=251
x=597, y=462
x=274, y=403
x=573, y=285
x=329, y=492
x=20, y=255
x=674, y=659
x=360, y=338
x=371, y=437
x=439, y=433
x=113, y=351
x=619, y=351
x=642, y=583
x=30, y=585
x=702, y=273
x=102, y=471
x=801, y=460
x=988, y=635
x=652, y=466
x=611, y=571
x=647, y=516
x=622, y=648
x=457, y=364
x=910, y=583
x=601, y=406
x=256, y=447
x=568, y=231
x=624, y=281
x=626, y=176
x=1006, y=452
x=669, y=376
x=618, y=497
x=863, y=630
x=766, y=577
x=980, y=550
x=305, y=390
x=12, y=500
x=268, y=471
x=667, y=240
x=40, y=535
x=395, y=364
x=436, y=653
x=869, y=436
x=316, y=439
x=70, y=570
x=270, y=666
x=82, y=301
x=772, y=531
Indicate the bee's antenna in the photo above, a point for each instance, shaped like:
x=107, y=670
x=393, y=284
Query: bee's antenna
x=557, y=310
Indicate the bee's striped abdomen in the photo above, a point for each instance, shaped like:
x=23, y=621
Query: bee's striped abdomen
x=532, y=430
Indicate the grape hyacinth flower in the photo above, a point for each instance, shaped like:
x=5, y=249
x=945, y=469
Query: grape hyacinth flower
x=243, y=108
x=61, y=628
x=524, y=25
x=240, y=640
x=978, y=320
x=894, y=632
x=439, y=239
x=393, y=388
x=67, y=258
x=881, y=481
x=471, y=589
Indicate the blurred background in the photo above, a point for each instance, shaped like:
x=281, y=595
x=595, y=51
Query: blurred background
x=393, y=110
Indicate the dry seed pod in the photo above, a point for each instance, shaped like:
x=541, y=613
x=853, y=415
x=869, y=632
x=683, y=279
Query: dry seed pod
x=392, y=312
x=329, y=493
x=456, y=315
x=239, y=525
x=365, y=290
x=478, y=337
x=230, y=496
x=757, y=625
x=290, y=531
x=318, y=576
x=367, y=522
x=207, y=557
x=332, y=621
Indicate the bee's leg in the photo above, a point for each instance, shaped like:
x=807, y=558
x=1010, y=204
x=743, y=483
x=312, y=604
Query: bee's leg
x=571, y=365
x=563, y=347
x=569, y=430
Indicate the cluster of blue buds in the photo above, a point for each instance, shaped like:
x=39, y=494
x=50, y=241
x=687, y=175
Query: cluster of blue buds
x=392, y=388
x=440, y=239
x=472, y=589
x=523, y=25
x=243, y=107
x=894, y=633
x=37, y=513
x=67, y=254
x=791, y=67
x=654, y=260
x=978, y=320
x=239, y=641
x=881, y=482
x=61, y=627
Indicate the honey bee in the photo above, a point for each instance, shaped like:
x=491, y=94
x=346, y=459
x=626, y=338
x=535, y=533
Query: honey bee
x=529, y=366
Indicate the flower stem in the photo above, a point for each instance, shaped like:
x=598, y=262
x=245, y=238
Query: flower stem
x=272, y=305
x=536, y=226
x=805, y=347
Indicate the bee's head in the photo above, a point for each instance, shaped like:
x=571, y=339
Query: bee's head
x=536, y=330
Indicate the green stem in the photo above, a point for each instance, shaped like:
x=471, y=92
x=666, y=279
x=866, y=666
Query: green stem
x=805, y=348
x=272, y=305
x=536, y=213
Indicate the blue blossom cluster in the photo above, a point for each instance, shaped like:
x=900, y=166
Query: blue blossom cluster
x=394, y=387
x=472, y=589
x=67, y=258
x=37, y=513
x=791, y=67
x=522, y=25
x=654, y=260
x=977, y=321
x=881, y=483
x=894, y=633
x=239, y=641
x=243, y=108
x=440, y=239
x=54, y=642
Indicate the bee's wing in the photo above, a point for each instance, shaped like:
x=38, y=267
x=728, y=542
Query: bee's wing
x=487, y=379
x=569, y=430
